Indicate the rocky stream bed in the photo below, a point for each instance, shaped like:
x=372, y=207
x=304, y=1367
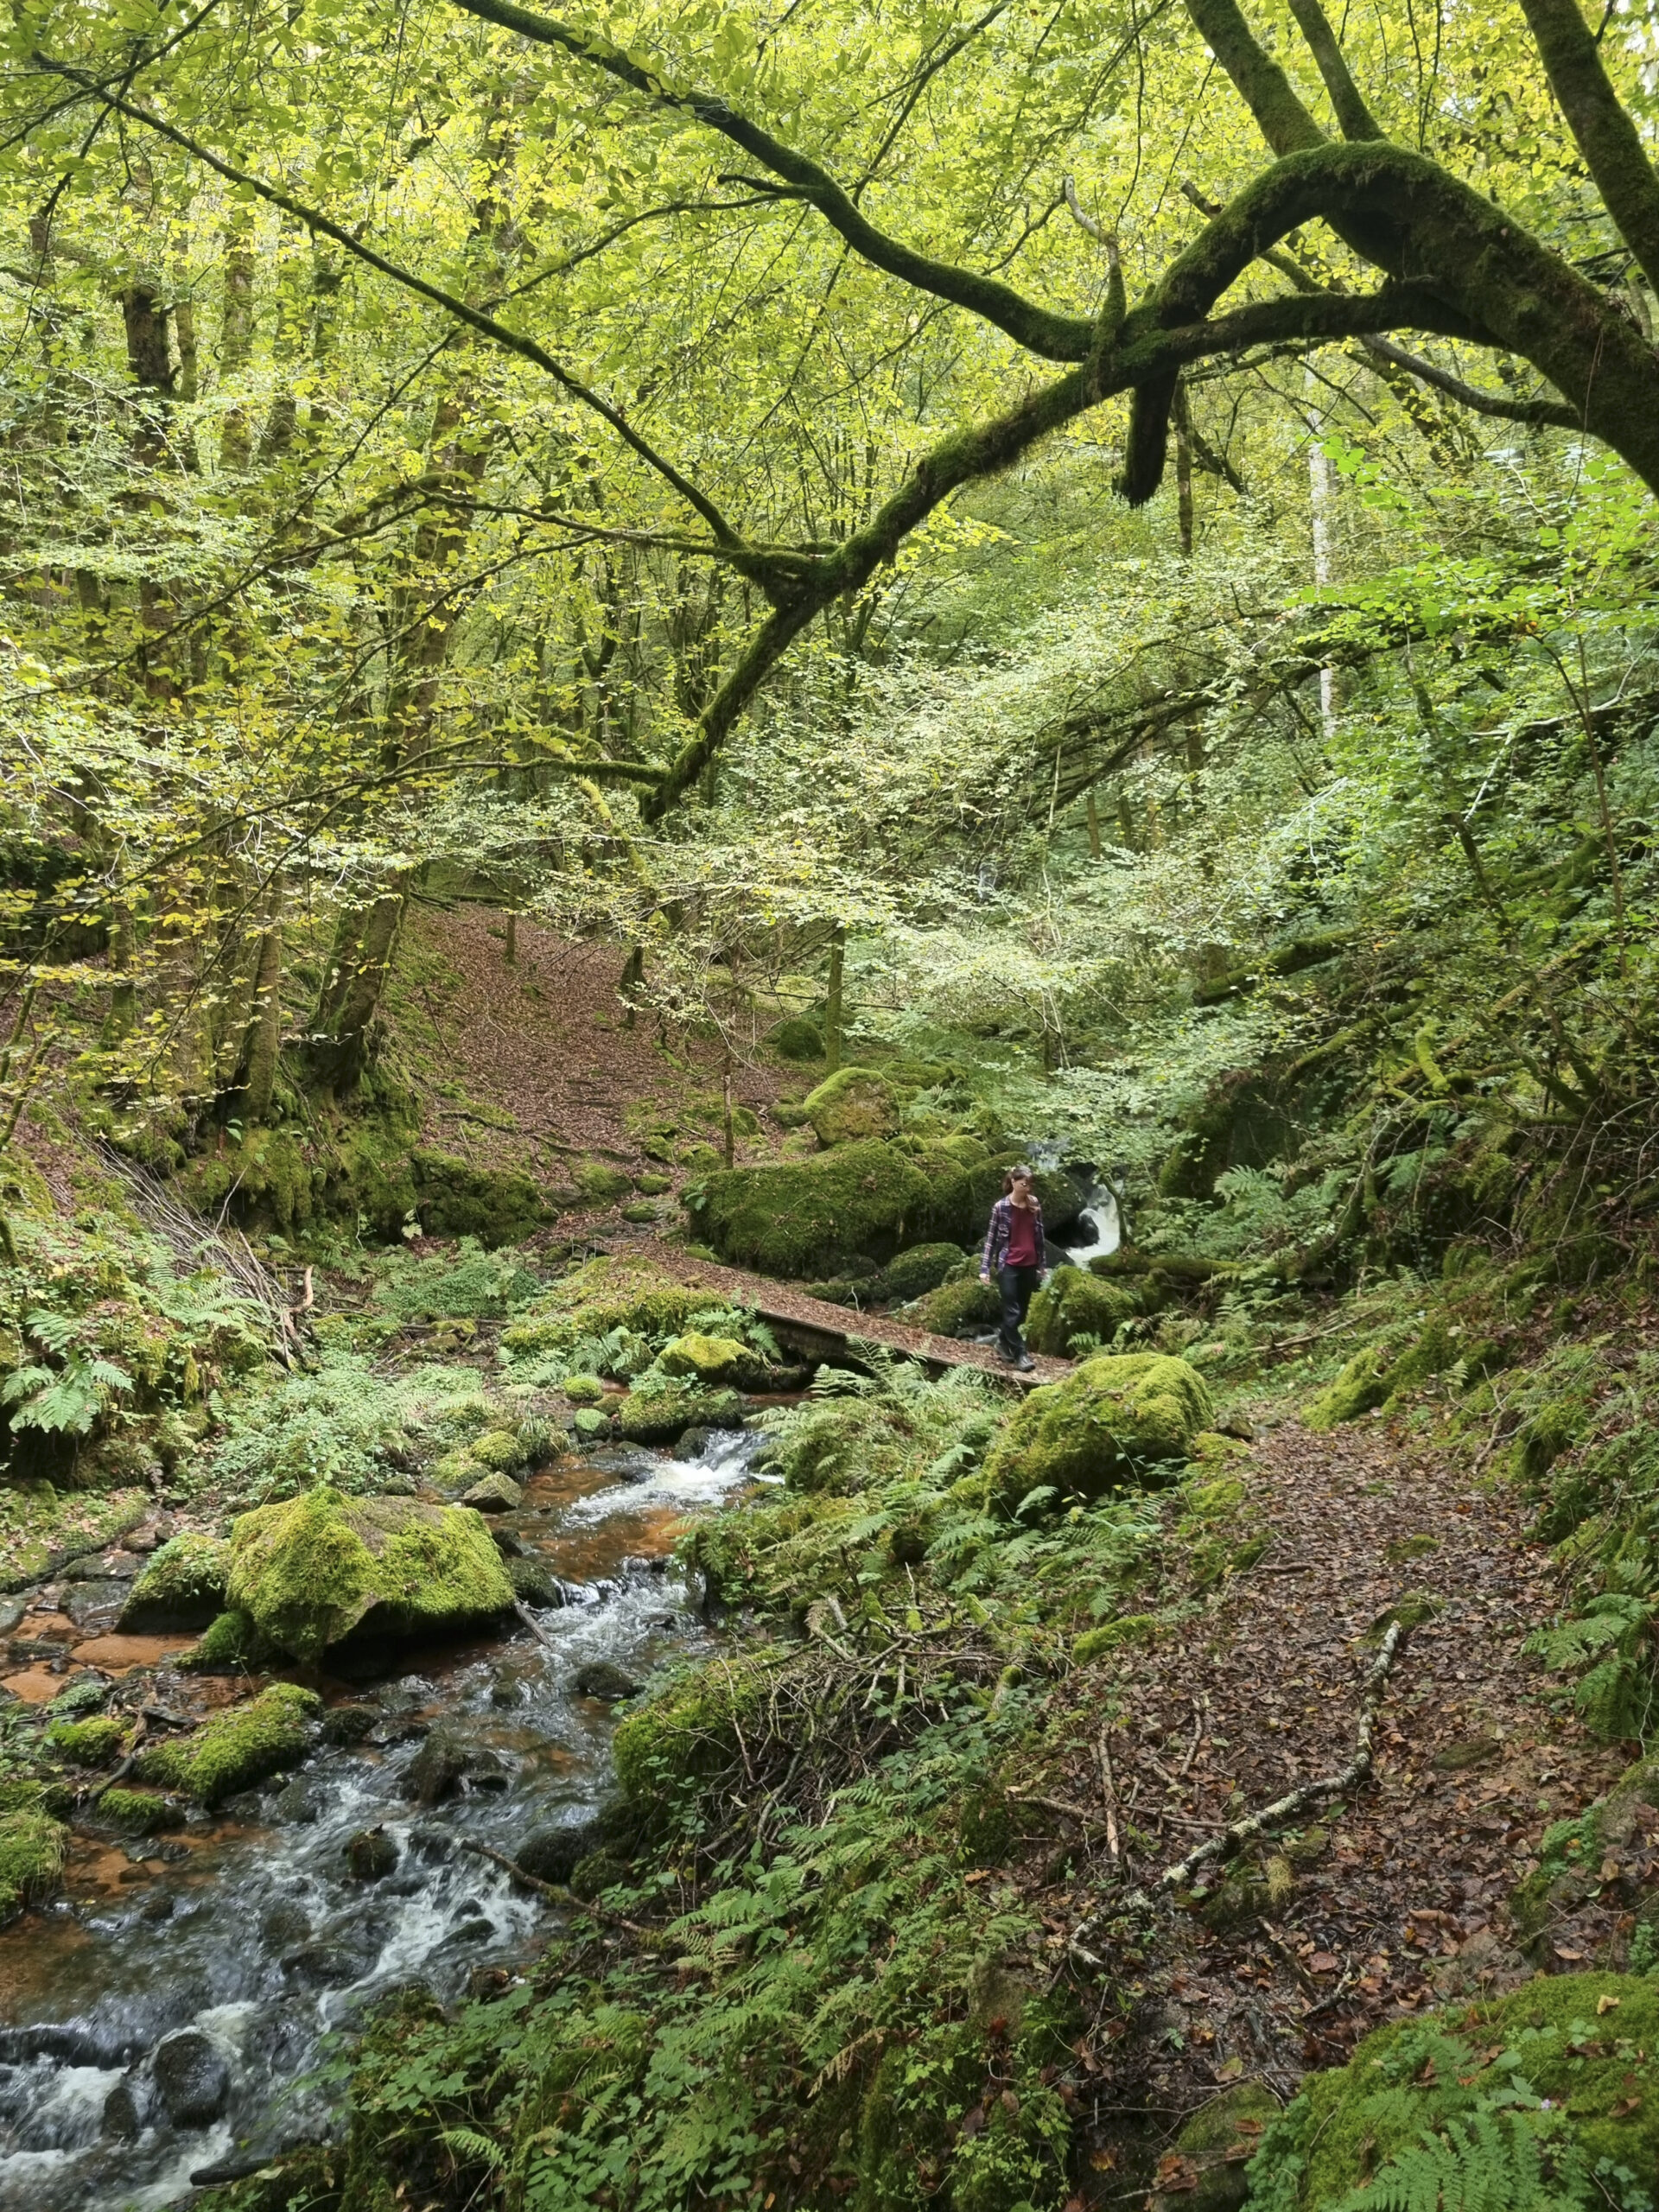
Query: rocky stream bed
x=168, y=2019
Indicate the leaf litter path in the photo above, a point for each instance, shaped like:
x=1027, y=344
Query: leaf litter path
x=1406, y=1903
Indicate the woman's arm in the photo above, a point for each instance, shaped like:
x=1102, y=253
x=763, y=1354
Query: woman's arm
x=988, y=1266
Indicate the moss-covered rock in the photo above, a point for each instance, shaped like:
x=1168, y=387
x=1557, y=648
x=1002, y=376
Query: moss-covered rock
x=502, y=1449
x=1568, y=2058
x=707, y=1360
x=32, y=1846
x=797, y=1038
x=499, y=1205
x=661, y=1416
x=852, y=1104
x=583, y=1389
x=182, y=1587
x=1116, y=1423
x=591, y=1426
x=235, y=1749
x=689, y=1730
x=317, y=1569
x=1214, y=2149
x=597, y=1181
x=604, y=1294
x=1073, y=1304
x=921, y=1269
x=138, y=1812
x=800, y=1218
x=88, y=1743
x=493, y=1492
x=958, y=1308
x=230, y=1643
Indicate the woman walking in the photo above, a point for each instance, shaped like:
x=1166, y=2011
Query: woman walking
x=1015, y=1259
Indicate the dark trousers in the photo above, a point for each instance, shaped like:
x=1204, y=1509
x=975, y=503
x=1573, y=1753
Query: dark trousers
x=1017, y=1286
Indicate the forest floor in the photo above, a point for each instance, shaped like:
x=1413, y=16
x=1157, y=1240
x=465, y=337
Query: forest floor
x=1406, y=1902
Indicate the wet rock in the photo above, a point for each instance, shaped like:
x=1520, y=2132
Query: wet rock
x=348, y=1724
x=533, y=1585
x=590, y=1426
x=285, y=1924
x=331, y=1962
x=552, y=1854
x=123, y=2114
x=158, y=1907
x=484, y=1983
x=474, y=1929
x=371, y=1855
x=693, y=1443
x=602, y=1680
x=493, y=1493
x=506, y=1543
x=181, y=1588
x=193, y=2078
x=302, y=1803
x=11, y=1612
x=445, y=1763
x=431, y=1843
x=92, y=1604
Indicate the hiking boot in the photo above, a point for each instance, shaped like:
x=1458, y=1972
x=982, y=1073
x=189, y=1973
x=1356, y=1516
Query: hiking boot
x=1025, y=1364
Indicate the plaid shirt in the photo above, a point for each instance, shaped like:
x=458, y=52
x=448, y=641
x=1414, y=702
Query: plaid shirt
x=996, y=1236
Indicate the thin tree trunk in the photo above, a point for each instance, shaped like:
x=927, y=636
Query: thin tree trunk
x=832, y=1010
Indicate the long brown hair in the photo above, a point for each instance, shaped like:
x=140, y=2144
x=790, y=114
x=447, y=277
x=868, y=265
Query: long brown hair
x=1020, y=1174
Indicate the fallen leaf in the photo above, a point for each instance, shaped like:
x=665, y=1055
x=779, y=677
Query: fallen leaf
x=1324, y=1963
x=1563, y=1951
x=1176, y=2173
x=1606, y=2004
x=1230, y=2071
x=1624, y=2109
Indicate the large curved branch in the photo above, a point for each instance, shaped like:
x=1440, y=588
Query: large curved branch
x=1040, y=330
x=1485, y=279
x=1354, y=117
x=1539, y=414
x=1606, y=137
x=514, y=341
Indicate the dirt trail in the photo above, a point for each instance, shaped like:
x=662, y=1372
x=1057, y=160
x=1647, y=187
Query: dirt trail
x=1477, y=1755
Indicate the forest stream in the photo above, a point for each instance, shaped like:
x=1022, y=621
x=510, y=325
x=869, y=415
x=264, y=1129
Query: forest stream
x=182, y=1998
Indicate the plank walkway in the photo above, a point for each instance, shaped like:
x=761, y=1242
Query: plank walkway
x=814, y=1326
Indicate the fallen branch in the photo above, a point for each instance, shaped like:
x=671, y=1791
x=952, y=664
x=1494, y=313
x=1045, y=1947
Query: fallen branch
x=533, y=1625
x=559, y=1894
x=1231, y=1840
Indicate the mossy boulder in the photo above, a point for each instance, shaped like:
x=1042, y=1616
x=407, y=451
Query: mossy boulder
x=604, y=1295
x=1073, y=1304
x=583, y=1389
x=797, y=1038
x=493, y=1492
x=597, y=1182
x=1212, y=2150
x=320, y=1567
x=851, y=1105
x=711, y=1360
x=690, y=1729
x=921, y=1269
x=182, y=1587
x=88, y=1743
x=502, y=1449
x=32, y=1845
x=138, y=1812
x=1118, y=1423
x=964, y=1308
x=662, y=1416
x=801, y=1219
x=1569, y=2058
x=230, y=1643
x=237, y=1748
x=499, y=1205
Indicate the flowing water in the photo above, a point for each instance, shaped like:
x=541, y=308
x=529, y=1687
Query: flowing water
x=1098, y=1229
x=248, y=1937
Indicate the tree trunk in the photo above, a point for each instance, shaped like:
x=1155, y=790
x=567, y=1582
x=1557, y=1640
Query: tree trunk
x=262, y=1043
x=832, y=1010
x=342, y=1040
x=236, y=338
x=1183, y=471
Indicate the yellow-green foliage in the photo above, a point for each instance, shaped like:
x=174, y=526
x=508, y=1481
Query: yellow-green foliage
x=137, y=1812
x=310, y=1570
x=1114, y=1423
x=231, y=1640
x=32, y=1846
x=604, y=1294
x=88, y=1743
x=690, y=1729
x=852, y=1104
x=1584, y=2045
x=237, y=1748
x=182, y=1585
x=706, y=1359
x=1073, y=1304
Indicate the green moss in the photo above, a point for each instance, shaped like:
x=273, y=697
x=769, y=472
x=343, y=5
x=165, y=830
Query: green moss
x=958, y=1306
x=237, y=1748
x=803, y=1218
x=266, y=1179
x=138, y=1812
x=1115, y=1423
x=604, y=1295
x=34, y=1794
x=310, y=1571
x=1217, y=2143
x=797, y=1038
x=182, y=1586
x=1132, y=1628
x=663, y=1416
x=1073, y=1304
x=88, y=1743
x=706, y=1359
x=32, y=1846
x=920, y=1270
x=851, y=1105
x=502, y=1449
x=698, y=1158
x=966, y=1151
x=689, y=1730
x=1584, y=2042
x=597, y=1182
x=591, y=1426
x=583, y=1389
x=652, y=1186
x=230, y=1643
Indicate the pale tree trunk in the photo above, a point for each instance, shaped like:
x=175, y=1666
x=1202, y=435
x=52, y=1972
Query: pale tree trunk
x=236, y=338
x=1321, y=503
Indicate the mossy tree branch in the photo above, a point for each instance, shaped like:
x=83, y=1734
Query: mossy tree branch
x=1606, y=137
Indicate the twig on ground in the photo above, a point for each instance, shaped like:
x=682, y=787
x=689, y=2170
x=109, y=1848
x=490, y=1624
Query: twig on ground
x=1111, y=1795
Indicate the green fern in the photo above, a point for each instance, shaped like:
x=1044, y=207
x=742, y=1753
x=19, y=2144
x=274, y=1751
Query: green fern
x=1489, y=2162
